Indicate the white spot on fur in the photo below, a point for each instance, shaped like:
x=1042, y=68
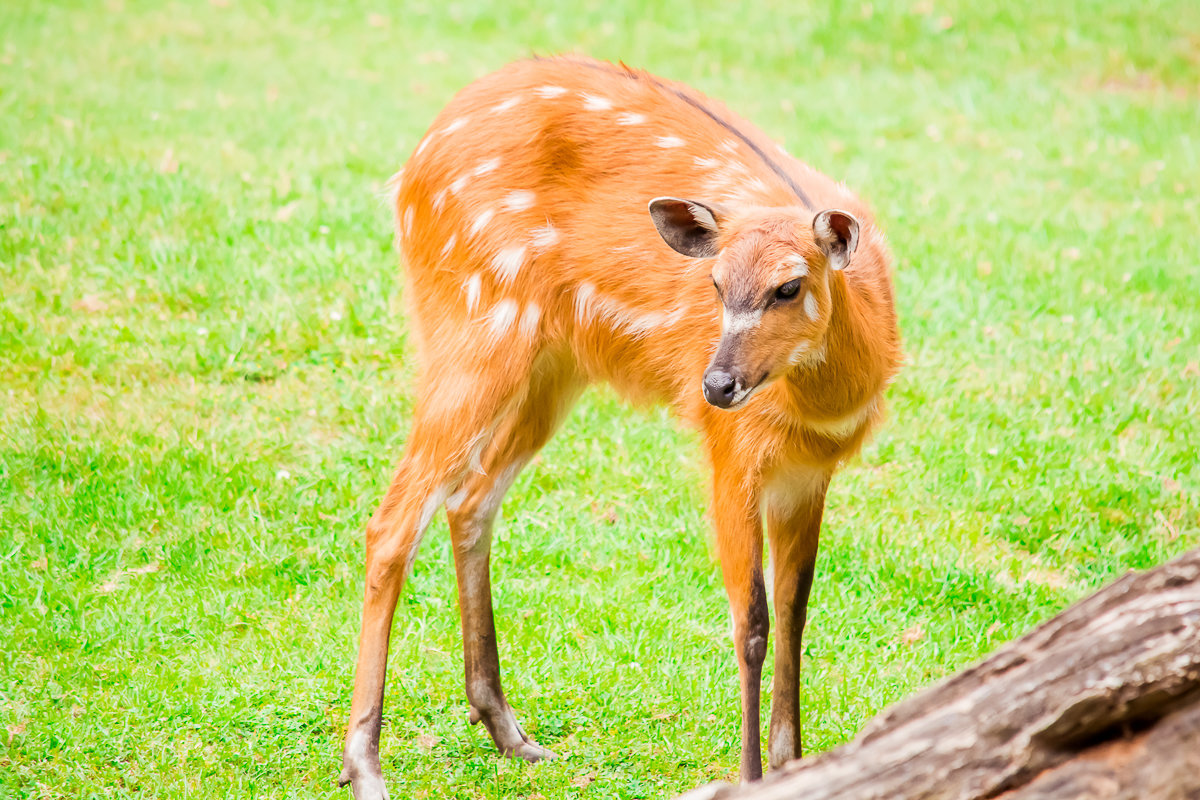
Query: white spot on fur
x=729, y=145
x=582, y=297
x=836, y=429
x=472, y=288
x=707, y=162
x=544, y=237
x=589, y=306
x=797, y=264
x=631, y=119
x=519, y=200
x=407, y=224
x=529, y=319
x=459, y=184
x=424, y=143
x=479, y=525
x=594, y=102
x=475, y=456
x=845, y=426
x=756, y=184
x=432, y=504
x=510, y=103
x=356, y=743
x=782, y=746
x=487, y=166
x=666, y=142
x=449, y=245
x=438, y=200
x=810, y=305
x=481, y=220
x=786, y=489
x=550, y=91
x=806, y=354
x=729, y=181
x=455, y=501
x=639, y=324
x=507, y=263
x=456, y=125
x=733, y=324
x=502, y=317
x=722, y=192
x=736, y=168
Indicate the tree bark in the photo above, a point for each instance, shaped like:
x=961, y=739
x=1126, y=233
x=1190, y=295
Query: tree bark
x=1102, y=701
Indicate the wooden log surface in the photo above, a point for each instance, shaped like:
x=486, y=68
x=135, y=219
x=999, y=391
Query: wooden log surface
x=1101, y=701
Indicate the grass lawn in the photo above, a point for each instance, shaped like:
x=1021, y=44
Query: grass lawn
x=205, y=383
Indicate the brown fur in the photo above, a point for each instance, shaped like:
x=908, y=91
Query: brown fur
x=572, y=284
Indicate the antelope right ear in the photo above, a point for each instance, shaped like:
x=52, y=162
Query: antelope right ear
x=836, y=233
x=688, y=226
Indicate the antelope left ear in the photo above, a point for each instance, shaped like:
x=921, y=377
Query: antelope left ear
x=688, y=226
x=836, y=233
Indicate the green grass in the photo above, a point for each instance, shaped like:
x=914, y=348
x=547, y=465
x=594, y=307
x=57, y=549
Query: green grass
x=204, y=384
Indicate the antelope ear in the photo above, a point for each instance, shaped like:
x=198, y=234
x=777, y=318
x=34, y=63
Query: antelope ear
x=836, y=233
x=688, y=226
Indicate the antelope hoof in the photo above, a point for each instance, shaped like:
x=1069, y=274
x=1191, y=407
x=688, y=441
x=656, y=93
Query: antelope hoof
x=365, y=779
x=512, y=742
x=531, y=751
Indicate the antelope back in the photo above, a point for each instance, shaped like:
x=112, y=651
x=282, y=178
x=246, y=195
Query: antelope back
x=522, y=218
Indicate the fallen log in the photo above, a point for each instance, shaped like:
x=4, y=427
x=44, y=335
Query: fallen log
x=1101, y=701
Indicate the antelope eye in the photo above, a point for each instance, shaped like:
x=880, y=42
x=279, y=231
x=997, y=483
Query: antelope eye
x=788, y=290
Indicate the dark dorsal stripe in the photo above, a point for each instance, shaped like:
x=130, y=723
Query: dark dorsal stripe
x=624, y=71
x=778, y=170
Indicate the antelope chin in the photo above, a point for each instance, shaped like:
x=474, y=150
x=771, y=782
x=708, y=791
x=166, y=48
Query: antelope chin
x=743, y=397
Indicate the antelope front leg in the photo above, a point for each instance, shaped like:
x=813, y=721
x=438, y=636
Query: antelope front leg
x=392, y=538
x=739, y=543
x=793, y=531
x=389, y=543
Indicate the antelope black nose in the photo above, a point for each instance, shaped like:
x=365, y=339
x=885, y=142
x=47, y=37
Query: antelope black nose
x=719, y=388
